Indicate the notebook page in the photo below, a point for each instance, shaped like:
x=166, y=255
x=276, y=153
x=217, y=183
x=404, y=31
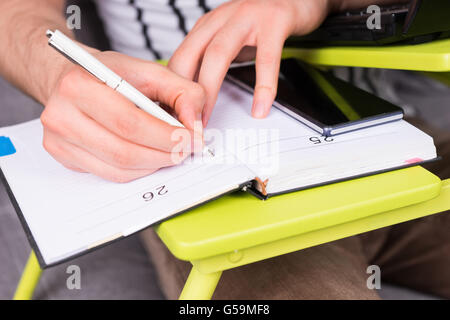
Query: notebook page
x=68, y=212
x=374, y=149
x=268, y=145
x=256, y=142
x=291, y=155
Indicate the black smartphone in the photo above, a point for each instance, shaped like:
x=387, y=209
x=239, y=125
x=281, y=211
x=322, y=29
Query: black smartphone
x=318, y=99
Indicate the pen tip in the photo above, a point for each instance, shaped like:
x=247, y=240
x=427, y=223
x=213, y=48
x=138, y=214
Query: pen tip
x=209, y=151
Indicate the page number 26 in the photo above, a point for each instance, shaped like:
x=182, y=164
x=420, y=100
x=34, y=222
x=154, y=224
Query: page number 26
x=159, y=191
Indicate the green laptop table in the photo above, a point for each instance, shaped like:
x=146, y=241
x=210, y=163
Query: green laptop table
x=239, y=229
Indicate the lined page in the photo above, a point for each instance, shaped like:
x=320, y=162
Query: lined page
x=256, y=142
x=68, y=212
x=291, y=155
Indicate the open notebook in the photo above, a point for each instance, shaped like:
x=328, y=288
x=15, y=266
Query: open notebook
x=67, y=213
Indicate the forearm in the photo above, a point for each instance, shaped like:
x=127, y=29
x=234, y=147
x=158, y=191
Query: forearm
x=26, y=60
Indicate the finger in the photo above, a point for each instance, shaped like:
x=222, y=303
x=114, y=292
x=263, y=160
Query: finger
x=65, y=152
x=158, y=83
x=115, y=113
x=268, y=57
x=73, y=168
x=70, y=166
x=187, y=58
x=217, y=58
x=186, y=98
x=110, y=148
x=64, y=162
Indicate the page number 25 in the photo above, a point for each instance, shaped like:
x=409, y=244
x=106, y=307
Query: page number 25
x=317, y=140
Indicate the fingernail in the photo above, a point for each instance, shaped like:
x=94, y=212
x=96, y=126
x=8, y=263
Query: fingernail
x=198, y=142
x=205, y=119
x=198, y=124
x=259, y=110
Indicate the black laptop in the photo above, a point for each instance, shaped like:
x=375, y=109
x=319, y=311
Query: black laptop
x=415, y=21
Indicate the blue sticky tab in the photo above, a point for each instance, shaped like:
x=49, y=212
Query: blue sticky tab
x=6, y=147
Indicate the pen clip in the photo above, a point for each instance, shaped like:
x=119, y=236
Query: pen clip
x=61, y=50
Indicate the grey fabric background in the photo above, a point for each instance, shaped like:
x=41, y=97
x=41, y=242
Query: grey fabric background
x=123, y=270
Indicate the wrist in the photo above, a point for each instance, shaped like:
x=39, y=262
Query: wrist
x=40, y=67
x=57, y=68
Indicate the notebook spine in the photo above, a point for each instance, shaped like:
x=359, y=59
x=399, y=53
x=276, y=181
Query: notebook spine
x=256, y=187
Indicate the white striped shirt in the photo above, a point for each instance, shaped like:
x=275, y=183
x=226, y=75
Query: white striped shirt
x=151, y=29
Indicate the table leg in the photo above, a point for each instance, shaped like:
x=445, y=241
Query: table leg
x=29, y=280
x=200, y=286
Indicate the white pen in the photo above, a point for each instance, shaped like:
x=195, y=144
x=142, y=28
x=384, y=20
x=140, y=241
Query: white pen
x=78, y=55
